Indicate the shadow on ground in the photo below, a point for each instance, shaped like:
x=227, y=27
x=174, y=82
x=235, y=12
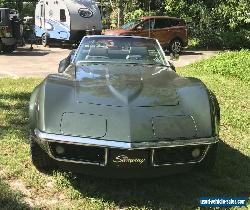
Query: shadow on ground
x=191, y=53
x=229, y=178
x=10, y=200
x=28, y=52
x=185, y=53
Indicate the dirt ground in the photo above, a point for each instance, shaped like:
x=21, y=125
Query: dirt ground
x=42, y=61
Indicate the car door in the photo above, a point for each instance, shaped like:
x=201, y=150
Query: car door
x=144, y=28
x=162, y=30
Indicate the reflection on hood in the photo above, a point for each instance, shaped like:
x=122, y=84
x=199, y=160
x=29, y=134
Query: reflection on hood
x=125, y=84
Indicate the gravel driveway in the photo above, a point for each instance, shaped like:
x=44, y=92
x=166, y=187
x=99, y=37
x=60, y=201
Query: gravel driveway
x=42, y=61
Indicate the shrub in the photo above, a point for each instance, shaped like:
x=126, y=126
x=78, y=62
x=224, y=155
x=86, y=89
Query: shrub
x=231, y=40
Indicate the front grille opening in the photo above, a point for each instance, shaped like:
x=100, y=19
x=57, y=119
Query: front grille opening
x=87, y=154
x=174, y=155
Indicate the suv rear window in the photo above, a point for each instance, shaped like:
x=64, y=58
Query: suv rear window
x=164, y=23
x=174, y=22
x=147, y=24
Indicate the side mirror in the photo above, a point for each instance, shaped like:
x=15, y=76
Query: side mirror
x=172, y=66
x=63, y=65
x=71, y=55
x=66, y=61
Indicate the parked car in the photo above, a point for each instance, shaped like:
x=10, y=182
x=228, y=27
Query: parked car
x=10, y=30
x=118, y=108
x=170, y=31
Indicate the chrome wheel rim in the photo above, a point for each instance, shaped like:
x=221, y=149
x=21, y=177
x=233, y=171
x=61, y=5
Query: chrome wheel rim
x=44, y=40
x=176, y=47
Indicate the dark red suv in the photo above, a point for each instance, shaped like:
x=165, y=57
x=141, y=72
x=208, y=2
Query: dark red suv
x=171, y=32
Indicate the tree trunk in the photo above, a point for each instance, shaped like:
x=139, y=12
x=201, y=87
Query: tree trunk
x=120, y=13
x=19, y=6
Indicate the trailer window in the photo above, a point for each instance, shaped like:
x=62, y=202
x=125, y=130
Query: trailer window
x=62, y=15
x=42, y=11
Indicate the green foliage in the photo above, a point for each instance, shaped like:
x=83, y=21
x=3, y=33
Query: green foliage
x=137, y=14
x=131, y=9
x=217, y=24
x=233, y=40
x=231, y=64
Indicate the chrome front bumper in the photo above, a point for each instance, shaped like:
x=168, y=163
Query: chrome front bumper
x=46, y=138
x=119, y=144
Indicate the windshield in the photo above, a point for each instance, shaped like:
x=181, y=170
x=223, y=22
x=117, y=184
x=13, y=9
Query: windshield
x=131, y=24
x=128, y=50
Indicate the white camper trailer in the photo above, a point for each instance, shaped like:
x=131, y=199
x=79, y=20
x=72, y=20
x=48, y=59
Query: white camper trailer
x=67, y=20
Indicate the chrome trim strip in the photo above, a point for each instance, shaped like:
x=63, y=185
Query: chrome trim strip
x=80, y=140
x=152, y=157
x=77, y=161
x=119, y=144
x=106, y=157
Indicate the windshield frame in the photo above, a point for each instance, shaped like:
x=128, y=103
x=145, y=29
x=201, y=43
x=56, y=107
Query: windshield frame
x=161, y=52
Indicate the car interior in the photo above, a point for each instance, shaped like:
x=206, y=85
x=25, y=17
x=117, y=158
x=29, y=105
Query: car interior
x=134, y=53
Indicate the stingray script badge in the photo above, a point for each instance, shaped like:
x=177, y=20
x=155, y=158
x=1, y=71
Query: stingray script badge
x=126, y=159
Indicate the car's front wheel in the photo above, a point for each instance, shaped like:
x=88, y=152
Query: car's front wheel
x=41, y=160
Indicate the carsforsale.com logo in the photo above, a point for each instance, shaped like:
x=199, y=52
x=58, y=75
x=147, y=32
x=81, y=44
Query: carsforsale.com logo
x=223, y=201
x=126, y=159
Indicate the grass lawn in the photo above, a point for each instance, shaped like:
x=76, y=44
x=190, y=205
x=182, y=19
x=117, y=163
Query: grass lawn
x=22, y=186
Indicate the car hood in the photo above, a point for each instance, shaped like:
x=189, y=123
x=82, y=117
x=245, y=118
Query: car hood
x=124, y=102
x=126, y=85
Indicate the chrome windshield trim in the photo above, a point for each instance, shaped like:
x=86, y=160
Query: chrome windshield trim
x=48, y=137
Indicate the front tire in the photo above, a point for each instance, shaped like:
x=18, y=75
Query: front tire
x=175, y=46
x=45, y=40
x=40, y=158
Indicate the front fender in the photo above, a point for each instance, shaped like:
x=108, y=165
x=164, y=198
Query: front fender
x=33, y=107
x=195, y=101
x=215, y=110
